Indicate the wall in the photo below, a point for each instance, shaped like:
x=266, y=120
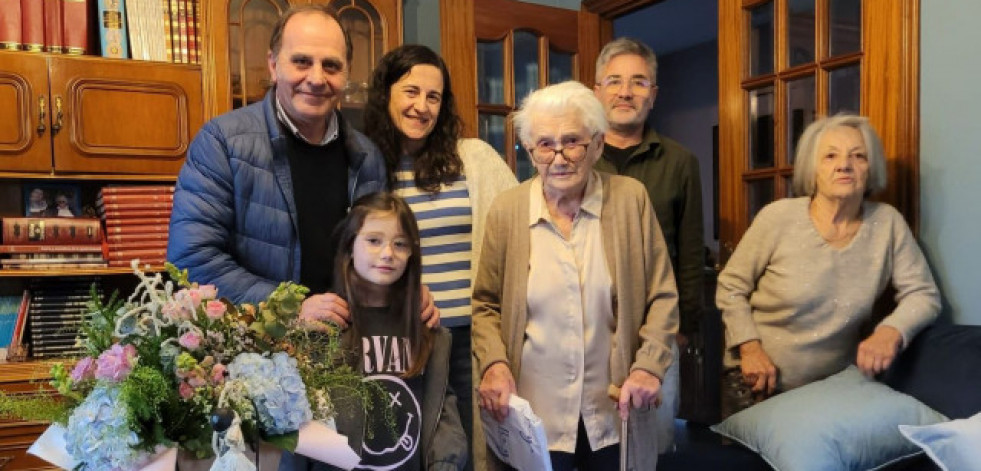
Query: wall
x=950, y=152
x=686, y=109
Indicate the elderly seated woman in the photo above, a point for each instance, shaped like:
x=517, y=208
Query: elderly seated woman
x=803, y=280
x=574, y=296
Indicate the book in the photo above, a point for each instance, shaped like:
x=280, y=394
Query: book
x=36, y=249
x=135, y=213
x=136, y=221
x=139, y=236
x=32, y=25
x=126, y=263
x=16, y=350
x=140, y=244
x=9, y=307
x=27, y=230
x=53, y=40
x=112, y=29
x=10, y=24
x=67, y=258
x=136, y=189
x=192, y=33
x=76, y=17
x=168, y=41
x=182, y=30
x=148, y=229
x=196, y=7
x=106, y=207
x=133, y=198
x=175, y=34
x=142, y=254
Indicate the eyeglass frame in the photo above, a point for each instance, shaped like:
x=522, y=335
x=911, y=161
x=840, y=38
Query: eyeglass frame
x=403, y=251
x=634, y=84
x=564, y=147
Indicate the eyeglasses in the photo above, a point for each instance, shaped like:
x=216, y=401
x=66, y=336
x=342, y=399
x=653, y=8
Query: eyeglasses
x=636, y=84
x=375, y=243
x=572, y=150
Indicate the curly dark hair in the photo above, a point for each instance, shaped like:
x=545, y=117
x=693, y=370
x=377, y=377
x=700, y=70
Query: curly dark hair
x=437, y=162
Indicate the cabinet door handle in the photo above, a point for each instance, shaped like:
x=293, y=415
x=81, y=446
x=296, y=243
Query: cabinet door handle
x=56, y=125
x=42, y=112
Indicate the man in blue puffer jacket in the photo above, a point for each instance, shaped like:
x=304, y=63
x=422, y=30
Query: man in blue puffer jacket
x=262, y=182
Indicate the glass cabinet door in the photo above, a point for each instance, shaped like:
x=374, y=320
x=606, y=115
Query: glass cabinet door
x=250, y=25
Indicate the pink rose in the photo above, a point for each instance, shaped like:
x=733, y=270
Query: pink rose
x=218, y=374
x=196, y=381
x=190, y=340
x=214, y=309
x=185, y=390
x=208, y=291
x=116, y=363
x=84, y=369
x=175, y=312
x=188, y=297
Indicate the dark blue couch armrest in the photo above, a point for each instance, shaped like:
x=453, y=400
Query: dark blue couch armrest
x=942, y=368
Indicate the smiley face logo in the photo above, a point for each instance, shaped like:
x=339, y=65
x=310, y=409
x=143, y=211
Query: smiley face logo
x=390, y=446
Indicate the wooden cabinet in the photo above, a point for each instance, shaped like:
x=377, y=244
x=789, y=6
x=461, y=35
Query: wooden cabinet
x=17, y=436
x=94, y=115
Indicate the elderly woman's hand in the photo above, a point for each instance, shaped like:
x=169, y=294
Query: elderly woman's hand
x=318, y=309
x=641, y=389
x=496, y=388
x=877, y=352
x=758, y=370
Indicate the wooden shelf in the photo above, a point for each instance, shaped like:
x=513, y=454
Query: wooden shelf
x=77, y=272
x=88, y=176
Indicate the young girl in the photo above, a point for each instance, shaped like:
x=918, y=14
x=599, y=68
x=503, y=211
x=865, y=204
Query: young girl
x=378, y=270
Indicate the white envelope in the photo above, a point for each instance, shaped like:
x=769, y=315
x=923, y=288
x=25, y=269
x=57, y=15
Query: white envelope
x=520, y=439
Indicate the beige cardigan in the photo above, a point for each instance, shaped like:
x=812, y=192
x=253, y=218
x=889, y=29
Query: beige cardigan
x=645, y=298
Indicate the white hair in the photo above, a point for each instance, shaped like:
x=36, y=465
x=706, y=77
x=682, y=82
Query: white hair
x=566, y=96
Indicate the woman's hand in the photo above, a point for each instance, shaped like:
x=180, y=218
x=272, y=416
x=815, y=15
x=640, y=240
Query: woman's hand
x=324, y=307
x=641, y=389
x=758, y=370
x=496, y=388
x=430, y=313
x=877, y=352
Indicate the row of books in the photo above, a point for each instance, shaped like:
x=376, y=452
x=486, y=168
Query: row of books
x=45, y=321
x=137, y=222
x=51, y=243
x=153, y=30
x=13, y=323
x=56, y=26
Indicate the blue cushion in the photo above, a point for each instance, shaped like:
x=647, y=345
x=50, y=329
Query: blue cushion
x=942, y=368
x=843, y=422
x=954, y=446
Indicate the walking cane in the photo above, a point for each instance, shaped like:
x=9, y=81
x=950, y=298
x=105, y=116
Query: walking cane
x=614, y=393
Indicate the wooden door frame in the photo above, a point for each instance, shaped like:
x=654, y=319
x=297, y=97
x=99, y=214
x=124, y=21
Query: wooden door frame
x=890, y=99
x=458, y=36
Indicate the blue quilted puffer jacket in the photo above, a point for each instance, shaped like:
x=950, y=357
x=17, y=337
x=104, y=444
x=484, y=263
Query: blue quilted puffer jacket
x=234, y=219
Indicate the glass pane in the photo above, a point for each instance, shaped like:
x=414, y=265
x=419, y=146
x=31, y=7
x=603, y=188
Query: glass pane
x=490, y=72
x=761, y=128
x=525, y=64
x=801, y=109
x=845, y=30
x=559, y=67
x=364, y=25
x=525, y=169
x=492, y=131
x=788, y=184
x=760, y=194
x=761, y=40
x=250, y=25
x=800, y=40
x=844, y=90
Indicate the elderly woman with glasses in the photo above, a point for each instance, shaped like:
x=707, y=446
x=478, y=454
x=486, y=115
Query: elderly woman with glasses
x=575, y=300
x=797, y=295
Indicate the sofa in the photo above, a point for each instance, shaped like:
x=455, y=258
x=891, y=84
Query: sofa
x=941, y=368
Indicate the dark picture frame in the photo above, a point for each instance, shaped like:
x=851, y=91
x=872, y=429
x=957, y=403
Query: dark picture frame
x=52, y=200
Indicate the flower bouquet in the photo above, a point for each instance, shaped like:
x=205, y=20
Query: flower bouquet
x=176, y=366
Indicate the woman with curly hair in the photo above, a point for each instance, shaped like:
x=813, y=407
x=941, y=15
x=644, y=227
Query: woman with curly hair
x=449, y=183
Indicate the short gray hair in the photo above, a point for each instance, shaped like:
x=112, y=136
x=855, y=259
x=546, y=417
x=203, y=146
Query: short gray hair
x=805, y=162
x=566, y=96
x=622, y=46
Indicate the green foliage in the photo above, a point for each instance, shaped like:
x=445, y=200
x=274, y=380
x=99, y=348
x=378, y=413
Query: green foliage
x=99, y=328
x=41, y=408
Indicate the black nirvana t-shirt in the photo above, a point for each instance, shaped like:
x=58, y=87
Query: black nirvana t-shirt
x=386, y=354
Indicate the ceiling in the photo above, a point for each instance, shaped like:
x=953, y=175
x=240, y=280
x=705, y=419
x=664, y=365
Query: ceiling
x=671, y=25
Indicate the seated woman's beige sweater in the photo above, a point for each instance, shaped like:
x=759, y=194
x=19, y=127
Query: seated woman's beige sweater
x=806, y=301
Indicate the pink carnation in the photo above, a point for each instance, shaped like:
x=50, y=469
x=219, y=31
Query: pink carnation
x=208, y=291
x=185, y=390
x=84, y=369
x=218, y=374
x=214, y=309
x=190, y=340
x=116, y=363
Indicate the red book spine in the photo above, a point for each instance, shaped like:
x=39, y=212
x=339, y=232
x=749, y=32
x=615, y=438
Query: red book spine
x=16, y=342
x=139, y=244
x=148, y=261
x=108, y=199
x=32, y=24
x=53, y=40
x=76, y=21
x=140, y=236
x=24, y=230
x=28, y=248
x=10, y=37
x=136, y=213
x=137, y=189
x=168, y=42
x=192, y=33
x=151, y=229
x=136, y=221
x=182, y=29
x=142, y=254
x=137, y=205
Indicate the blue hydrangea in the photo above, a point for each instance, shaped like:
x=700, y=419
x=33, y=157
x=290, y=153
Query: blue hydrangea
x=276, y=389
x=99, y=436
